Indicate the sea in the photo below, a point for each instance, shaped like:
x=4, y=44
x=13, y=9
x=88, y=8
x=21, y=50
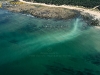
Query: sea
x=37, y=46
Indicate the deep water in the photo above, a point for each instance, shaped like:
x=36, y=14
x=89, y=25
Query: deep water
x=34, y=46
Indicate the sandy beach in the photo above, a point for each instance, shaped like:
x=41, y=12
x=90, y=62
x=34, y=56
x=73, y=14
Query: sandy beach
x=92, y=12
x=43, y=10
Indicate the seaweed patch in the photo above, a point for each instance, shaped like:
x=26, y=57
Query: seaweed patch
x=94, y=58
x=57, y=69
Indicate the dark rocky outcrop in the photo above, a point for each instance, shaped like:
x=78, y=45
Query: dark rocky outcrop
x=90, y=20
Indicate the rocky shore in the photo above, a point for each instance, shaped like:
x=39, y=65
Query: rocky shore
x=42, y=11
x=90, y=20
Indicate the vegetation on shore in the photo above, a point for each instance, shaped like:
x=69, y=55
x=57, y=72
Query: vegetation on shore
x=48, y=12
x=85, y=3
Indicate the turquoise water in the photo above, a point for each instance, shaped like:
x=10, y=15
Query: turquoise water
x=34, y=46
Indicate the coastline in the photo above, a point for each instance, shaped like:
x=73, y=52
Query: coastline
x=42, y=11
x=83, y=11
x=95, y=14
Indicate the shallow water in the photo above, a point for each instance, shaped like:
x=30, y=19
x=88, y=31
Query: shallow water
x=34, y=46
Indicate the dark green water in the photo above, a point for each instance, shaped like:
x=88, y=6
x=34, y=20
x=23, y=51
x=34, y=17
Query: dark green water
x=33, y=46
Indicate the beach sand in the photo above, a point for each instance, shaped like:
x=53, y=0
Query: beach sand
x=84, y=11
